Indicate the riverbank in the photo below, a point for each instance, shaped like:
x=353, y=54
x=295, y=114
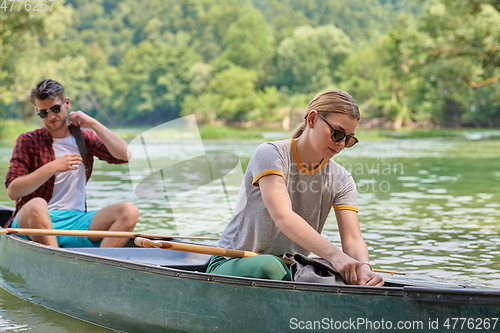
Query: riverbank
x=11, y=128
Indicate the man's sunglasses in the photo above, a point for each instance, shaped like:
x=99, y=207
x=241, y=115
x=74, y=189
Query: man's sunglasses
x=339, y=135
x=44, y=113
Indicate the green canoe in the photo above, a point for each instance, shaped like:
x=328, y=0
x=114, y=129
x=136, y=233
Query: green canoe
x=153, y=290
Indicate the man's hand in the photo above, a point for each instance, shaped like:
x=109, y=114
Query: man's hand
x=116, y=146
x=80, y=118
x=66, y=162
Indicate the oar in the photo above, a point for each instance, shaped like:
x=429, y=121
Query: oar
x=94, y=233
x=214, y=251
x=390, y=272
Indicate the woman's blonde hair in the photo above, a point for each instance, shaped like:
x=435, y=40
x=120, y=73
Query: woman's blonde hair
x=331, y=101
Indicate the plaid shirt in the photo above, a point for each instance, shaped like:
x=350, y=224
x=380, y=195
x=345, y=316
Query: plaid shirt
x=34, y=149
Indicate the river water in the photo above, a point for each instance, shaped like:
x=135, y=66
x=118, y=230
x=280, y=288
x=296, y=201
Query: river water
x=428, y=207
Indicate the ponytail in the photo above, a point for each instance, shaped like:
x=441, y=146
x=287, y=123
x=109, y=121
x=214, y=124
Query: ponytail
x=299, y=130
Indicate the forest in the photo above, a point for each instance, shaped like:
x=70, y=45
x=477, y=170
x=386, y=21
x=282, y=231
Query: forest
x=408, y=63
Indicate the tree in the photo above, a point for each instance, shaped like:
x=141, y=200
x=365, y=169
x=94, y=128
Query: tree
x=463, y=57
x=308, y=61
x=230, y=96
x=154, y=82
x=34, y=49
x=249, y=42
x=439, y=67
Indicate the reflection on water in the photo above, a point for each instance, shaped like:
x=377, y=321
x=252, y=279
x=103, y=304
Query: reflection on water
x=428, y=207
x=18, y=315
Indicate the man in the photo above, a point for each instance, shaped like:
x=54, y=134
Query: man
x=50, y=167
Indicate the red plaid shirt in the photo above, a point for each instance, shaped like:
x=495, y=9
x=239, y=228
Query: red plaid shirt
x=34, y=149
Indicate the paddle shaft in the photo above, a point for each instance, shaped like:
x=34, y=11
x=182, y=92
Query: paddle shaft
x=389, y=272
x=215, y=251
x=93, y=233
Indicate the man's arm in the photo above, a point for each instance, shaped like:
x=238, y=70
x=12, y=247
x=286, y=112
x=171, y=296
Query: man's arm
x=115, y=145
x=29, y=183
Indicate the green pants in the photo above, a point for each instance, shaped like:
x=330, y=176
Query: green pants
x=264, y=266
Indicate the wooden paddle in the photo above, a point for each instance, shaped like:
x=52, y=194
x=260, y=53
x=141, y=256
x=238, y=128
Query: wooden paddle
x=94, y=233
x=214, y=251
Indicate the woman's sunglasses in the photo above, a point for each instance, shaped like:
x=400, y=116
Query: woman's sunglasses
x=44, y=113
x=338, y=134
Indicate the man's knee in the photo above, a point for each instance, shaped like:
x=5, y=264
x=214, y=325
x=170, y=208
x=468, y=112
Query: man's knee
x=36, y=205
x=129, y=213
x=35, y=213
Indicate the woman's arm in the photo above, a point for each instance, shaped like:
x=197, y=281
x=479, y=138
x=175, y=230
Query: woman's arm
x=278, y=203
x=354, y=245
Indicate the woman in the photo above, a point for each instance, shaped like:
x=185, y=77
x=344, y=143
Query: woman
x=287, y=193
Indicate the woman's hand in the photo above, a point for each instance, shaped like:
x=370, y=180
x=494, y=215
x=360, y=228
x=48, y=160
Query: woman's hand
x=349, y=268
x=353, y=273
x=369, y=278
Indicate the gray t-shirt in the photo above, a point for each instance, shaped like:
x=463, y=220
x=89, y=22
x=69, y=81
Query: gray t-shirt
x=312, y=192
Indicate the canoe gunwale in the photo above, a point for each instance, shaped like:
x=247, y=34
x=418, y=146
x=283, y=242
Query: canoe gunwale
x=473, y=296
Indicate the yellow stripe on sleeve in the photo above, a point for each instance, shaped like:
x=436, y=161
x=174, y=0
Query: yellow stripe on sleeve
x=345, y=207
x=255, y=181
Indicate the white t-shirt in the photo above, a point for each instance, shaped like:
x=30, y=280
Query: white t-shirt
x=69, y=187
x=313, y=194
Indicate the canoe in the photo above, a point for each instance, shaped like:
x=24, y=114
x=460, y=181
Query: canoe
x=137, y=290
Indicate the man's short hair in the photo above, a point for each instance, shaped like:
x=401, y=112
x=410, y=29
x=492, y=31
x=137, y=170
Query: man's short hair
x=46, y=89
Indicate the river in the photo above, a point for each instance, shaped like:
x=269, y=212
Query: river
x=428, y=207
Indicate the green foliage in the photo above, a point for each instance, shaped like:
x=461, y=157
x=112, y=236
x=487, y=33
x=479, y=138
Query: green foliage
x=464, y=53
x=258, y=62
x=154, y=80
x=11, y=128
x=308, y=60
x=435, y=65
x=229, y=96
x=249, y=42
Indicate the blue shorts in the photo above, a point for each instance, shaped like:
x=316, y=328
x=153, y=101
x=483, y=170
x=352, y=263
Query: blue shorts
x=69, y=220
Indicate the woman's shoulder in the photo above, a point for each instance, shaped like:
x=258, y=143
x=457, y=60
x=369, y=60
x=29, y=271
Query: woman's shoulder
x=281, y=144
x=281, y=148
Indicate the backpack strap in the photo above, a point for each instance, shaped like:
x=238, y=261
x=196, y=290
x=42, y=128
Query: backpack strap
x=80, y=141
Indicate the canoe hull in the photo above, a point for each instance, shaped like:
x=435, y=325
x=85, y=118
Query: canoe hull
x=139, y=297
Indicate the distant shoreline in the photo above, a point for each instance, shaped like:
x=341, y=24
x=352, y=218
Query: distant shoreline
x=10, y=129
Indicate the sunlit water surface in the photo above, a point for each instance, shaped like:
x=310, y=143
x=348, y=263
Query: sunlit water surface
x=429, y=207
